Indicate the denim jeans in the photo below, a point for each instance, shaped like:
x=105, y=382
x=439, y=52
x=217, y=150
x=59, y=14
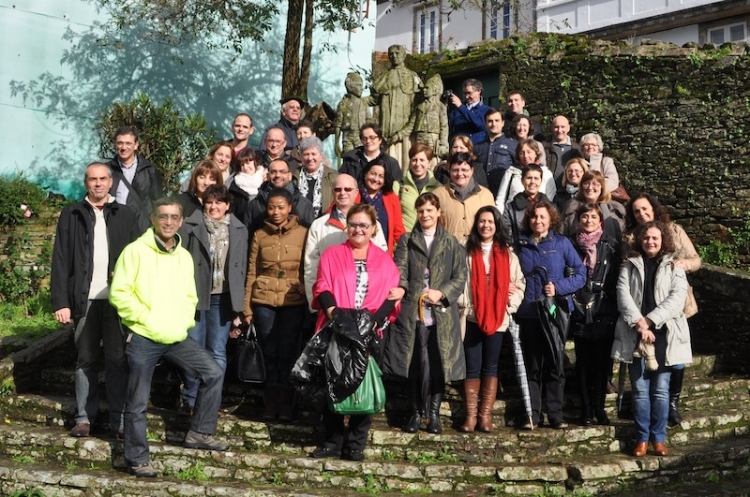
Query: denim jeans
x=279, y=332
x=190, y=358
x=100, y=323
x=211, y=331
x=651, y=395
x=482, y=351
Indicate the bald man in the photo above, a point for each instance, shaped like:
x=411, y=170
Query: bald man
x=561, y=149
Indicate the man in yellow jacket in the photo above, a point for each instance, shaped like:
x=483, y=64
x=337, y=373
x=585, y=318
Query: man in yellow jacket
x=153, y=290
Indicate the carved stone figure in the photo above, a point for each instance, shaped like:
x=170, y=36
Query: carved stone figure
x=394, y=91
x=429, y=121
x=351, y=114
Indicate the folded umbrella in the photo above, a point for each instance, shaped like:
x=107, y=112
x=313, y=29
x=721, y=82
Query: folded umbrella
x=554, y=321
x=523, y=380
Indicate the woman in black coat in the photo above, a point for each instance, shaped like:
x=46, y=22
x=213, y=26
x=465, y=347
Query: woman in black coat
x=595, y=314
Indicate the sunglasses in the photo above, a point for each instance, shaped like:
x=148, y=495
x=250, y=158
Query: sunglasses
x=347, y=189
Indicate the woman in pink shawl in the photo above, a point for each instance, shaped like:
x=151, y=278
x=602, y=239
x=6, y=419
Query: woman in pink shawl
x=354, y=275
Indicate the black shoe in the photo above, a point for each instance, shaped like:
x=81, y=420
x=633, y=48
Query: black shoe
x=143, y=470
x=558, y=424
x=433, y=421
x=601, y=417
x=325, y=453
x=354, y=455
x=586, y=420
x=412, y=426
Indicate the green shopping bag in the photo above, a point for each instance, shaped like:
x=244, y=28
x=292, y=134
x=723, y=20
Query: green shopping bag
x=369, y=398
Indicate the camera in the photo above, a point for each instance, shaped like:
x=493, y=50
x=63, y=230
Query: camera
x=447, y=94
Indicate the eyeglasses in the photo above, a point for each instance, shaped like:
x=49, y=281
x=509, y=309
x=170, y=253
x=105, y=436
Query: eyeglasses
x=167, y=217
x=347, y=189
x=277, y=173
x=274, y=142
x=370, y=138
x=359, y=226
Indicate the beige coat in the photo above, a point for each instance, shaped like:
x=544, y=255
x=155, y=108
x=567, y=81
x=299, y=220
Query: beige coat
x=458, y=214
x=517, y=278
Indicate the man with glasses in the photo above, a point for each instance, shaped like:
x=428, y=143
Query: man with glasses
x=467, y=118
x=291, y=113
x=153, y=290
x=330, y=229
x=279, y=176
x=275, y=142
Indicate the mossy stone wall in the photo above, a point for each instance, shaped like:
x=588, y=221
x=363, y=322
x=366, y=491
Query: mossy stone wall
x=676, y=120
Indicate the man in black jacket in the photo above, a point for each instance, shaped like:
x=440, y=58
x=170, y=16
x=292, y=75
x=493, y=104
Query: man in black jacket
x=279, y=176
x=89, y=238
x=136, y=182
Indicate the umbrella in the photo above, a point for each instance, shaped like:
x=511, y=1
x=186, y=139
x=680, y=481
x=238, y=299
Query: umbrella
x=423, y=335
x=554, y=319
x=523, y=381
x=621, y=387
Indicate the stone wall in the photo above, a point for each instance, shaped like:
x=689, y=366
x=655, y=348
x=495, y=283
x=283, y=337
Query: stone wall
x=722, y=326
x=676, y=120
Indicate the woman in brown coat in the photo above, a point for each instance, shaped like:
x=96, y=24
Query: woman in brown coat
x=275, y=299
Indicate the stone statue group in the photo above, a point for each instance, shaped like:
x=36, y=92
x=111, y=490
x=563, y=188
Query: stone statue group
x=404, y=115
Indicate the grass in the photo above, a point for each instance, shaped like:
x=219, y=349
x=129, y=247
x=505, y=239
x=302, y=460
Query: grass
x=37, y=322
x=193, y=473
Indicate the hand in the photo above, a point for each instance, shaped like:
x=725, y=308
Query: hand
x=329, y=312
x=680, y=263
x=549, y=289
x=512, y=288
x=235, y=332
x=63, y=315
x=455, y=101
x=248, y=319
x=396, y=293
x=647, y=336
x=433, y=296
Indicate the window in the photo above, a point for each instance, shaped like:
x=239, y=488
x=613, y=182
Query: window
x=500, y=21
x=724, y=34
x=427, y=30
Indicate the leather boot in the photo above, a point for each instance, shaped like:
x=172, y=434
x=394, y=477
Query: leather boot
x=488, y=395
x=286, y=404
x=471, y=400
x=271, y=402
x=415, y=420
x=675, y=390
x=433, y=420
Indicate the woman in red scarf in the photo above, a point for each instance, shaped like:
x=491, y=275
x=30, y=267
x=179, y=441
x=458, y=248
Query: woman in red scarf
x=494, y=290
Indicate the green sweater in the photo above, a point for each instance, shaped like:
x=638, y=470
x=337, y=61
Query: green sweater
x=154, y=291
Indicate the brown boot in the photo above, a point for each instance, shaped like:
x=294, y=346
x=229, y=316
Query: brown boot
x=471, y=399
x=488, y=394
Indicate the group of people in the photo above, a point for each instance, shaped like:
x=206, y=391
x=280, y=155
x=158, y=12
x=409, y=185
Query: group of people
x=446, y=255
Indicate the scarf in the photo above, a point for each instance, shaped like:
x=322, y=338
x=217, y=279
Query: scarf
x=490, y=296
x=571, y=189
x=250, y=183
x=463, y=193
x=587, y=242
x=218, y=243
x=304, y=185
x=532, y=200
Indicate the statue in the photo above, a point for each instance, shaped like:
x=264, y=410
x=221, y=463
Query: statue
x=395, y=91
x=351, y=114
x=429, y=120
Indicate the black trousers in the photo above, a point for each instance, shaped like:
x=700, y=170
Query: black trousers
x=593, y=367
x=338, y=437
x=544, y=378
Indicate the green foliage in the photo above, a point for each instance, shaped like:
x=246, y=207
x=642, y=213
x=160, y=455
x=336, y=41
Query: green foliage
x=28, y=493
x=713, y=478
x=371, y=486
x=22, y=458
x=16, y=191
x=727, y=253
x=34, y=318
x=8, y=387
x=388, y=455
x=171, y=141
x=193, y=473
x=21, y=272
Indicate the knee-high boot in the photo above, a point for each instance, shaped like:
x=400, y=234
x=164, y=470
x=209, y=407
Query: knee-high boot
x=471, y=399
x=488, y=394
x=433, y=420
x=675, y=390
x=415, y=419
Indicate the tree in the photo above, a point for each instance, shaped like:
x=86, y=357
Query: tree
x=228, y=23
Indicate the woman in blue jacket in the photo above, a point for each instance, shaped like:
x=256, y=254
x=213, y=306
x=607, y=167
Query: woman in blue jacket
x=541, y=246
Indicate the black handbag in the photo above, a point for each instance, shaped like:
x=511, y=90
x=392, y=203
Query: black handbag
x=249, y=358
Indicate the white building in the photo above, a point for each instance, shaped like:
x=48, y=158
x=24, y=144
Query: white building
x=431, y=26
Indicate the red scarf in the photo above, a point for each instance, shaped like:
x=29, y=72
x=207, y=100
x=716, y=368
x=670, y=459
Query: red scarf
x=490, y=298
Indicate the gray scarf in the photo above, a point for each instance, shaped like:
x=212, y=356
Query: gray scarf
x=465, y=192
x=218, y=242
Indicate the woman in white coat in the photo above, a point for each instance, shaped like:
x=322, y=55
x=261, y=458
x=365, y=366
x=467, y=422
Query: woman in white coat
x=651, y=292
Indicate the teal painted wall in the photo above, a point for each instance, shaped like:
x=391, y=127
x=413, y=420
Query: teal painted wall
x=54, y=50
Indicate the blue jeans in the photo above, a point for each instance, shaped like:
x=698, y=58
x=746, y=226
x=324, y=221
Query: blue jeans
x=651, y=395
x=211, y=331
x=279, y=332
x=100, y=323
x=482, y=351
x=190, y=358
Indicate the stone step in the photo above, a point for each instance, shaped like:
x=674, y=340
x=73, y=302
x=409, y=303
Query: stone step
x=48, y=460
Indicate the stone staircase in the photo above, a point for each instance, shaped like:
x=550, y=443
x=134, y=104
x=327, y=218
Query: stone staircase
x=272, y=458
